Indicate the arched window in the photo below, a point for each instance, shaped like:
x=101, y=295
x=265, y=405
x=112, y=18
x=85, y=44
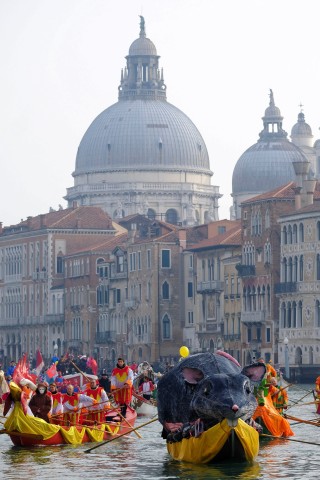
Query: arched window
x=318, y=266
x=294, y=234
x=165, y=290
x=301, y=268
x=289, y=315
x=299, y=317
x=283, y=315
x=284, y=236
x=301, y=232
x=318, y=230
x=294, y=315
x=166, y=327
x=290, y=269
x=317, y=313
x=289, y=234
x=172, y=216
x=151, y=214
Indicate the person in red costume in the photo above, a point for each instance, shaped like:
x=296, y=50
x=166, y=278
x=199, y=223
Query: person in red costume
x=72, y=404
x=121, y=385
x=95, y=413
x=317, y=394
x=56, y=407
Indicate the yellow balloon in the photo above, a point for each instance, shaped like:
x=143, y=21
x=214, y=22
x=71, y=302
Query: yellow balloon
x=184, y=351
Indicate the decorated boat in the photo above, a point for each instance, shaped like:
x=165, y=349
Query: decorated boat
x=223, y=441
x=26, y=430
x=205, y=405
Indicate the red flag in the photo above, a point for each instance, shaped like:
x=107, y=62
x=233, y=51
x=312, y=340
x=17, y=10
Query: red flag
x=22, y=371
x=39, y=362
x=51, y=373
x=91, y=363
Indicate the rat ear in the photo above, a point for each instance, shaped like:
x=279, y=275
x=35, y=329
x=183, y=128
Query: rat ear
x=255, y=372
x=192, y=375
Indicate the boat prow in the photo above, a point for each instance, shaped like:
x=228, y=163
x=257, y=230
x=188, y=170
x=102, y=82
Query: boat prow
x=219, y=443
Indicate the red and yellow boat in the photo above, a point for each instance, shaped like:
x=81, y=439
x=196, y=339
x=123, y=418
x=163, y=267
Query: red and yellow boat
x=27, y=431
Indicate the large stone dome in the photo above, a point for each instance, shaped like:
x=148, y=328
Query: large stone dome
x=142, y=154
x=135, y=134
x=268, y=163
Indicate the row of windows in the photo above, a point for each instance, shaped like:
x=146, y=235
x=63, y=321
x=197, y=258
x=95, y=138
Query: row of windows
x=292, y=234
x=291, y=314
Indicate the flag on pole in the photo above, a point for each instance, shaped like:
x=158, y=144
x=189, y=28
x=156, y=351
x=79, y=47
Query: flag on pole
x=91, y=363
x=39, y=362
x=51, y=373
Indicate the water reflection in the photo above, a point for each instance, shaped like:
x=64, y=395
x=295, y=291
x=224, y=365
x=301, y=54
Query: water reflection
x=172, y=469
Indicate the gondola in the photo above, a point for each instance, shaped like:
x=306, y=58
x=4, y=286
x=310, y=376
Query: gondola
x=28, y=431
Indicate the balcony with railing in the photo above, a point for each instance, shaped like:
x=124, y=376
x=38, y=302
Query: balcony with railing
x=210, y=286
x=246, y=270
x=105, y=337
x=207, y=328
x=131, y=304
x=54, y=319
x=256, y=317
x=285, y=287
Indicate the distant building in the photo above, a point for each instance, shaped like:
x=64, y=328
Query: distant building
x=32, y=276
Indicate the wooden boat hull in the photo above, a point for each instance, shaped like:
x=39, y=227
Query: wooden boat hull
x=219, y=443
x=30, y=431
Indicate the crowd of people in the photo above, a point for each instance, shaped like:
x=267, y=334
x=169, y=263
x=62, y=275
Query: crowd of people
x=62, y=401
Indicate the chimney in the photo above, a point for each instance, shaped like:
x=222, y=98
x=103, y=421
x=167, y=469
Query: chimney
x=1, y=228
x=301, y=170
x=297, y=197
x=79, y=223
x=74, y=204
x=43, y=222
x=182, y=238
x=29, y=220
x=309, y=188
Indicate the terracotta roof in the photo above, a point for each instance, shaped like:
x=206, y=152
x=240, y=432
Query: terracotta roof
x=283, y=192
x=69, y=218
x=231, y=237
x=96, y=245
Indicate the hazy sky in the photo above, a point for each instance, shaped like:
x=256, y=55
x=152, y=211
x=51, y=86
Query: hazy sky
x=61, y=62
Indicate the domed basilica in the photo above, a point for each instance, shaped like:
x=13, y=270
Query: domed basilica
x=268, y=164
x=144, y=155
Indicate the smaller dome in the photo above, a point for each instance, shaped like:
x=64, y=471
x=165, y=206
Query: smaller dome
x=301, y=127
x=272, y=111
x=142, y=46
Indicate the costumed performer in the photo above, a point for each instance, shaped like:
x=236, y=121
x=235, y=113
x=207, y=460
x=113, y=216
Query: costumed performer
x=121, y=385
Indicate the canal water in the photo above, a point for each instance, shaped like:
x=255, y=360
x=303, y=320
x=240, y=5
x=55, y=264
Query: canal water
x=131, y=458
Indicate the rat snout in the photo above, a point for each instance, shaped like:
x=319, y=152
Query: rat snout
x=235, y=408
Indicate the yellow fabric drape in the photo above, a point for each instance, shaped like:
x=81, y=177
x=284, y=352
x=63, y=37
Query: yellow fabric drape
x=203, y=449
x=19, y=422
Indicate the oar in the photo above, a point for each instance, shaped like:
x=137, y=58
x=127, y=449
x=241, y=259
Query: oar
x=299, y=420
x=124, y=418
x=142, y=399
x=304, y=396
x=281, y=438
x=19, y=434
x=282, y=388
x=121, y=435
